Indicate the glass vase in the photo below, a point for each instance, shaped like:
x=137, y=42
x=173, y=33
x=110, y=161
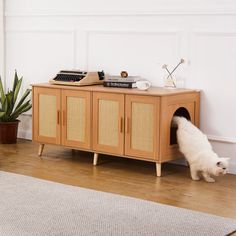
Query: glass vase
x=169, y=82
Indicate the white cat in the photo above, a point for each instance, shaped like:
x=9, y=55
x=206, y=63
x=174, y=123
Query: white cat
x=198, y=151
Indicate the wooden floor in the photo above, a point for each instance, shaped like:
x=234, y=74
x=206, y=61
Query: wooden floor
x=122, y=176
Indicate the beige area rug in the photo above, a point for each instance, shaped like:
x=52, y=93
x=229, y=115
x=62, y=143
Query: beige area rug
x=30, y=207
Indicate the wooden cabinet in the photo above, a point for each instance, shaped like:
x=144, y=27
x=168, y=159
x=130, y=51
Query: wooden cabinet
x=62, y=117
x=124, y=122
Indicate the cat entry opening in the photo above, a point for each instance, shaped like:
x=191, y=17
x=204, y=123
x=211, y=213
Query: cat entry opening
x=179, y=112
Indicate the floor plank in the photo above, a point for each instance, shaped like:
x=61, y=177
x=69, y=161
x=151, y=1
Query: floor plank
x=121, y=176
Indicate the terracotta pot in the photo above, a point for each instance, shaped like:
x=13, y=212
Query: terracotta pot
x=8, y=131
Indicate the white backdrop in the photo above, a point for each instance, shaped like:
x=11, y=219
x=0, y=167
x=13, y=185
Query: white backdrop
x=43, y=37
x=1, y=39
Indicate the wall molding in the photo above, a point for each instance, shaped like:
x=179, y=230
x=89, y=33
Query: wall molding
x=163, y=11
x=47, y=31
x=174, y=32
x=131, y=31
x=214, y=33
x=72, y=31
x=207, y=33
x=221, y=139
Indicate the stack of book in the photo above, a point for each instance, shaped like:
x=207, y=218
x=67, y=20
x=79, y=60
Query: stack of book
x=119, y=82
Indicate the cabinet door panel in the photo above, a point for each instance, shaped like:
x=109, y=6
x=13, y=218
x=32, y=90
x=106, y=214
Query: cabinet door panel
x=108, y=116
x=47, y=115
x=142, y=120
x=108, y=122
x=46, y=112
x=142, y=127
x=76, y=110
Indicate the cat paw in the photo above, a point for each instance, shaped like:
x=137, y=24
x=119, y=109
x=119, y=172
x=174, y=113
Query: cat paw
x=210, y=180
x=196, y=178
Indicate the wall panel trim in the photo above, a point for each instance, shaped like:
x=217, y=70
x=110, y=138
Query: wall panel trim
x=221, y=139
x=173, y=32
x=186, y=11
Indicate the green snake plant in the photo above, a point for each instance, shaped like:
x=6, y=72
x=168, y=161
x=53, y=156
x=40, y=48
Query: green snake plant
x=10, y=106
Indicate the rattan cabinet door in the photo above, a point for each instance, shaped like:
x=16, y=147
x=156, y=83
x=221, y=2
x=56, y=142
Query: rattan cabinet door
x=108, y=123
x=76, y=118
x=142, y=126
x=46, y=115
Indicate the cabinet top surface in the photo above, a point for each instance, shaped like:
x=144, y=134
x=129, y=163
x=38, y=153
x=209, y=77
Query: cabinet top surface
x=157, y=91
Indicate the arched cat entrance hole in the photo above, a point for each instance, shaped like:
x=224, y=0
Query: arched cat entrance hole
x=179, y=112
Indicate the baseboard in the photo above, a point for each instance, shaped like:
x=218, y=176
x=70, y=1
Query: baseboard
x=25, y=134
x=232, y=168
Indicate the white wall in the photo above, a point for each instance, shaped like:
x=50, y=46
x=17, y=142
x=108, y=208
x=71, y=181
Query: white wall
x=1, y=39
x=43, y=37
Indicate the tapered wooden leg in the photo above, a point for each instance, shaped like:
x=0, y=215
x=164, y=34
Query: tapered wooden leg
x=41, y=146
x=158, y=169
x=95, y=159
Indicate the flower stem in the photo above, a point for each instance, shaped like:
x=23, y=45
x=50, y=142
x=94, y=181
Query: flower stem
x=168, y=73
x=170, y=76
x=176, y=67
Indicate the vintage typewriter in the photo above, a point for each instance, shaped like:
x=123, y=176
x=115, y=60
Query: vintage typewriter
x=78, y=78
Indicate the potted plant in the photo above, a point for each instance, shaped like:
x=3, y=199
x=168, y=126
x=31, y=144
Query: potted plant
x=10, y=109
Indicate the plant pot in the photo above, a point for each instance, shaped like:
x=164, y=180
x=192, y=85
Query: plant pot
x=8, y=131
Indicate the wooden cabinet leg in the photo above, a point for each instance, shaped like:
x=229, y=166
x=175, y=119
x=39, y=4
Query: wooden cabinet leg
x=41, y=146
x=158, y=169
x=95, y=159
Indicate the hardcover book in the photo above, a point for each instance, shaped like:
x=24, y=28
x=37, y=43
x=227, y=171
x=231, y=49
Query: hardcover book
x=119, y=82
